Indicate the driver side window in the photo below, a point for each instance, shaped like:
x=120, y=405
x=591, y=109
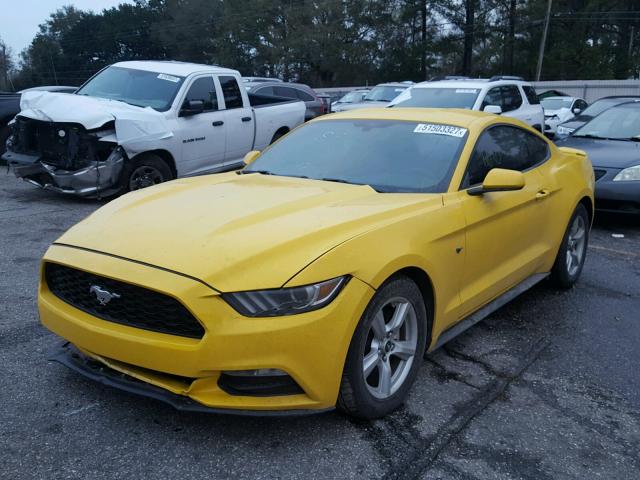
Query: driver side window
x=505, y=147
x=203, y=89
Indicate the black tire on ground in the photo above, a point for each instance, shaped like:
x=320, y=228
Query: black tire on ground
x=145, y=170
x=5, y=131
x=564, y=274
x=278, y=135
x=356, y=397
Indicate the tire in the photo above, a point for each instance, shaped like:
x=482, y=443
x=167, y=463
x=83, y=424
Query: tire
x=395, y=358
x=573, y=250
x=278, y=135
x=145, y=170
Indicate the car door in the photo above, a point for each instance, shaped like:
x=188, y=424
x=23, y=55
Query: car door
x=239, y=121
x=505, y=230
x=203, y=139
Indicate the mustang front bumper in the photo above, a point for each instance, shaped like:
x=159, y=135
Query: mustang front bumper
x=310, y=347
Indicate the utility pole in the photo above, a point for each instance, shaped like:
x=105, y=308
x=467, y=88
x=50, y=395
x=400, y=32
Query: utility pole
x=543, y=41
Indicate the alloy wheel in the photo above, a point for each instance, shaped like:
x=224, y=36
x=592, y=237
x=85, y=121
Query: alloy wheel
x=576, y=245
x=390, y=348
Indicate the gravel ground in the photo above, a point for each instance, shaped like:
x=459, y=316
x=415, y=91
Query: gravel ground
x=545, y=388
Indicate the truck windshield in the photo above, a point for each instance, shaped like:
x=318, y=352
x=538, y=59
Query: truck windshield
x=388, y=155
x=136, y=87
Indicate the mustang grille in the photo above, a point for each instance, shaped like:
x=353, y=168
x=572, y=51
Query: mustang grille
x=127, y=304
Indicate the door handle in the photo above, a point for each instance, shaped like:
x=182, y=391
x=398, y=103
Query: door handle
x=217, y=123
x=542, y=194
x=246, y=119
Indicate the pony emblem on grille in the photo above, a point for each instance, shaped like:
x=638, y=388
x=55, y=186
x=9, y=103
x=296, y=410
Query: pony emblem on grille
x=103, y=296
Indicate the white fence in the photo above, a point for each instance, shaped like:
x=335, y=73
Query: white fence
x=590, y=90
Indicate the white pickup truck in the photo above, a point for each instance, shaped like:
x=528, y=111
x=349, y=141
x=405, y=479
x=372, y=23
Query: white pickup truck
x=138, y=123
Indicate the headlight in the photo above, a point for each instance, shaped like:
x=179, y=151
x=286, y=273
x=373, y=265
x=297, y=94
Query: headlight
x=628, y=174
x=565, y=130
x=285, y=301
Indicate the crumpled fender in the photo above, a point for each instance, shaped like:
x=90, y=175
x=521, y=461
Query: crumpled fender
x=136, y=129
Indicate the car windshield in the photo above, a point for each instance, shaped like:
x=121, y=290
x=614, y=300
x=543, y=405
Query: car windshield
x=556, y=103
x=383, y=93
x=438, y=98
x=600, y=106
x=136, y=87
x=388, y=155
x=352, y=97
x=617, y=123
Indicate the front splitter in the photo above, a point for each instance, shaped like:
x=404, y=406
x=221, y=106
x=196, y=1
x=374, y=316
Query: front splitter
x=69, y=356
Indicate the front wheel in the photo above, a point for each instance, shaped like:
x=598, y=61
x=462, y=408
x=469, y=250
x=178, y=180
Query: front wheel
x=144, y=171
x=385, y=351
x=573, y=250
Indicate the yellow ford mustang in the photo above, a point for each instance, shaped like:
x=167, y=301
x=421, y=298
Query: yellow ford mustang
x=320, y=274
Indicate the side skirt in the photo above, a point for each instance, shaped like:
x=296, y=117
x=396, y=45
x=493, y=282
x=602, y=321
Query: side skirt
x=488, y=309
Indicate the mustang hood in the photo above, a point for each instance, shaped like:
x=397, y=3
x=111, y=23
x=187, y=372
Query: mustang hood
x=606, y=153
x=239, y=232
x=134, y=126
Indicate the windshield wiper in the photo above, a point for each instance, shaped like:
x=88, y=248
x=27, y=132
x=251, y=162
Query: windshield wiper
x=594, y=137
x=261, y=172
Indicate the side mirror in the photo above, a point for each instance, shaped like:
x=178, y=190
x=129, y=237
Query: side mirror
x=191, y=107
x=493, y=109
x=576, y=110
x=250, y=157
x=499, y=180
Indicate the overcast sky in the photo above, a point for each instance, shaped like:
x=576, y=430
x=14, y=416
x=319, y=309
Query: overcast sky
x=19, y=19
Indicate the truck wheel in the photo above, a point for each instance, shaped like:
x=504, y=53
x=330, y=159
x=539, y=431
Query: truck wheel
x=278, y=135
x=385, y=352
x=146, y=170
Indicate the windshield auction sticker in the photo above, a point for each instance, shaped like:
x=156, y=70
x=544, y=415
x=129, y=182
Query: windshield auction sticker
x=170, y=78
x=433, y=128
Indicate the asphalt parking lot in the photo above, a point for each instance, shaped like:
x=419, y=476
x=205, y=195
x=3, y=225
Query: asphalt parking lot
x=545, y=388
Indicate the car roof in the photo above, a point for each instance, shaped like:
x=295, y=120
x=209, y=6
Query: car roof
x=468, y=83
x=279, y=84
x=171, y=67
x=395, y=84
x=449, y=116
x=560, y=97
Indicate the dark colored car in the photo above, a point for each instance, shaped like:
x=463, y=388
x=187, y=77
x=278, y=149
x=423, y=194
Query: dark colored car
x=297, y=91
x=597, y=107
x=612, y=141
x=10, y=106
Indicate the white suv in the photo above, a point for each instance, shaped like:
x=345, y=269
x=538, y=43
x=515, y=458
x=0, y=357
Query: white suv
x=510, y=96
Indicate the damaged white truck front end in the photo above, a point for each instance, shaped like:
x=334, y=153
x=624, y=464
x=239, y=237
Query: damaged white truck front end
x=138, y=123
x=78, y=145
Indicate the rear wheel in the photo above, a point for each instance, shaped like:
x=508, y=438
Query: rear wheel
x=144, y=171
x=385, y=351
x=278, y=135
x=573, y=250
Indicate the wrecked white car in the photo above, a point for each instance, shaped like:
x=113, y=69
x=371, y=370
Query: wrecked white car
x=135, y=124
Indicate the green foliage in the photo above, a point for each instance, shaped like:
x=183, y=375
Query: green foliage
x=343, y=42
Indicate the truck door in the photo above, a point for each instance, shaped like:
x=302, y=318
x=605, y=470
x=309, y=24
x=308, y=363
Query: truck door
x=202, y=134
x=239, y=120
